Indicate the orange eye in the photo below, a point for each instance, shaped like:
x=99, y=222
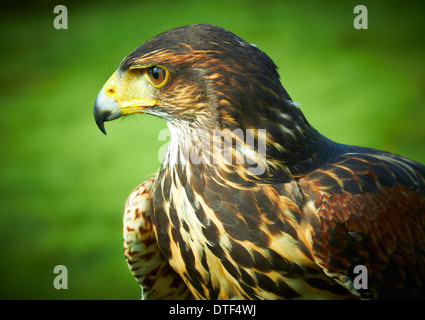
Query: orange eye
x=158, y=76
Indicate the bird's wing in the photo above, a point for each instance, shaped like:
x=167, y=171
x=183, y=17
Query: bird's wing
x=369, y=209
x=145, y=261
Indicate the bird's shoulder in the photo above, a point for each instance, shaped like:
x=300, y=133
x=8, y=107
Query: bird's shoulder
x=367, y=207
x=360, y=170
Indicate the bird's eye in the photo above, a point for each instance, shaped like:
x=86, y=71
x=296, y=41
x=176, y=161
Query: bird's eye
x=158, y=76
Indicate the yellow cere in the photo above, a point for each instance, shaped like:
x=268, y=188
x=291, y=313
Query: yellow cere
x=132, y=91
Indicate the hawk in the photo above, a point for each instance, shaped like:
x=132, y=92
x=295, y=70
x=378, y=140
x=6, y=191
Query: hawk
x=250, y=201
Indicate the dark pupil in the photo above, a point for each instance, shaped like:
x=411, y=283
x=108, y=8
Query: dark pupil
x=155, y=73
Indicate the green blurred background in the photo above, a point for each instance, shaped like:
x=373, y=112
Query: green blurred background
x=63, y=183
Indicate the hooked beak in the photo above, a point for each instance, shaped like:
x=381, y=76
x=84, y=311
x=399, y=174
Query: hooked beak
x=122, y=95
x=105, y=109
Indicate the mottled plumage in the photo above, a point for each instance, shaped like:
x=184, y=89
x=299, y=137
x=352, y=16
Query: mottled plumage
x=144, y=259
x=291, y=222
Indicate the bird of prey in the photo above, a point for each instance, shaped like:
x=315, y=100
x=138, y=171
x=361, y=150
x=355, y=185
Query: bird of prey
x=250, y=201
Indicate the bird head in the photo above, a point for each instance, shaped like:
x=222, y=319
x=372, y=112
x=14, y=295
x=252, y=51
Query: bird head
x=200, y=74
x=205, y=77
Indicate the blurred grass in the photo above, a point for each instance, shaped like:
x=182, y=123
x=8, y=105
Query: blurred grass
x=63, y=184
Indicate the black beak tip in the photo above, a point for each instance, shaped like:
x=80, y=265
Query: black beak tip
x=100, y=120
x=101, y=126
x=105, y=109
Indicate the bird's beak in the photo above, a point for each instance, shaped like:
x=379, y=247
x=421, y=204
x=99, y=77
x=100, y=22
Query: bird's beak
x=120, y=97
x=105, y=109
